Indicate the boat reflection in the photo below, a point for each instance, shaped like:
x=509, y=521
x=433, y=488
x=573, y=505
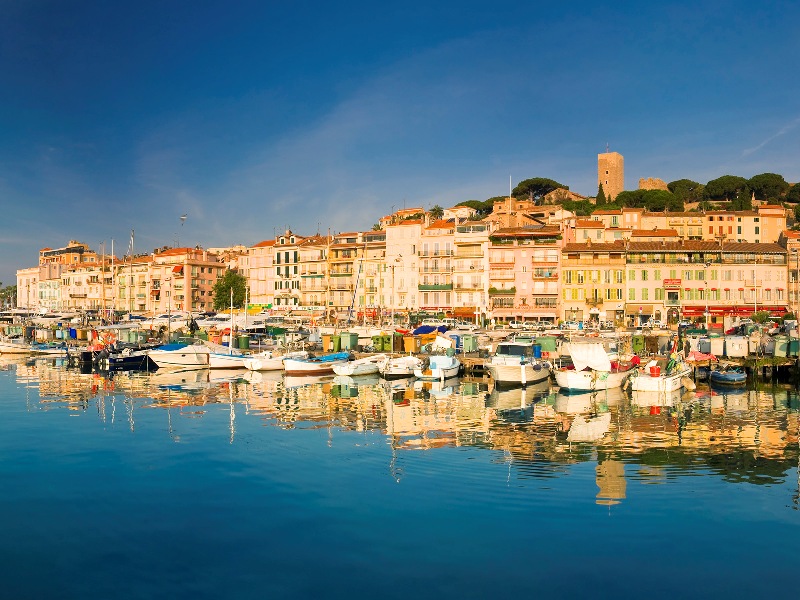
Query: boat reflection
x=537, y=428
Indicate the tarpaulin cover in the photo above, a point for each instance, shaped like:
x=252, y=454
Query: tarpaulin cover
x=696, y=356
x=423, y=329
x=591, y=355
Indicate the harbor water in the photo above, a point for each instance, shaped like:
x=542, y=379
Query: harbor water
x=252, y=485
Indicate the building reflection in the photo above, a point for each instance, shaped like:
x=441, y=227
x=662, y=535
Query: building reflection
x=741, y=435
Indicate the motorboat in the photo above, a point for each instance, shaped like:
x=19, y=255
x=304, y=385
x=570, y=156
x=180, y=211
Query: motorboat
x=652, y=378
x=369, y=365
x=728, y=375
x=399, y=367
x=513, y=363
x=271, y=361
x=314, y=365
x=22, y=346
x=181, y=355
x=591, y=370
x=438, y=367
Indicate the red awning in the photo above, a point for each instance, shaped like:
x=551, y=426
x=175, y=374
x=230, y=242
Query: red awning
x=727, y=289
x=713, y=289
x=741, y=289
x=177, y=269
x=155, y=292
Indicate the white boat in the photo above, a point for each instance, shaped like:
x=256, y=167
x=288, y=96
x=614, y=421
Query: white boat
x=592, y=370
x=270, y=361
x=589, y=428
x=20, y=346
x=181, y=356
x=513, y=363
x=368, y=365
x=653, y=379
x=438, y=368
x=315, y=365
x=399, y=367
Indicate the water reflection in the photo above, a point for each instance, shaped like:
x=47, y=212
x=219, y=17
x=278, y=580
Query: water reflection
x=742, y=435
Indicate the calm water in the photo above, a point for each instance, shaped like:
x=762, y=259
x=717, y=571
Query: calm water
x=178, y=486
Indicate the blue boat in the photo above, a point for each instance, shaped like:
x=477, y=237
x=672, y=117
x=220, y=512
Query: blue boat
x=728, y=376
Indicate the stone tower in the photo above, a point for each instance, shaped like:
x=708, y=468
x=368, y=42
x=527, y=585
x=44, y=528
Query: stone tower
x=611, y=173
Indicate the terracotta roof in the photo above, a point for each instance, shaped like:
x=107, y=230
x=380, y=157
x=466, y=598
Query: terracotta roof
x=789, y=233
x=654, y=233
x=595, y=247
x=442, y=224
x=529, y=231
x=587, y=223
x=606, y=211
x=264, y=244
x=705, y=246
x=771, y=206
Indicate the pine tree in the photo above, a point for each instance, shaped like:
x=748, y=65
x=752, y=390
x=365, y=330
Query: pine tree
x=601, y=196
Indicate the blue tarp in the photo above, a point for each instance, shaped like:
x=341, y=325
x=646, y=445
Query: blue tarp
x=423, y=329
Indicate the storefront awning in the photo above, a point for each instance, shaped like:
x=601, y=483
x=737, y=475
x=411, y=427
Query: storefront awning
x=639, y=309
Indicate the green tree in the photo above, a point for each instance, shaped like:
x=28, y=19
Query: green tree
x=582, y=208
x=535, y=188
x=436, y=212
x=793, y=195
x=222, y=290
x=760, y=316
x=768, y=186
x=482, y=208
x=7, y=294
x=743, y=200
x=687, y=190
x=726, y=187
x=600, y=200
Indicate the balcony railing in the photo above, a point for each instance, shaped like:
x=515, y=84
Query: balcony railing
x=502, y=292
x=435, y=287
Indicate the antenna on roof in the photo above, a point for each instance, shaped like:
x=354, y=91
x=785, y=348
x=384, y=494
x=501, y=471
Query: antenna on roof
x=607, y=148
x=509, y=186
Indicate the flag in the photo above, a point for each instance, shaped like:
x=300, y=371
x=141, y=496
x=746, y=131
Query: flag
x=130, y=245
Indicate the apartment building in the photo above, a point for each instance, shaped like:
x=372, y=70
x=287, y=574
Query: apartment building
x=593, y=281
x=524, y=273
x=471, y=270
x=669, y=281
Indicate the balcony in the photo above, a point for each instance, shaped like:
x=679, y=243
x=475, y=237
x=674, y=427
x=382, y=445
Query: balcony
x=502, y=276
x=435, y=287
x=434, y=253
x=467, y=287
x=502, y=292
x=594, y=301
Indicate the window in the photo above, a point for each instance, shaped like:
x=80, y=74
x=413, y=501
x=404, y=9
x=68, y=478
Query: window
x=659, y=293
x=631, y=275
x=757, y=230
x=631, y=294
x=644, y=275
x=645, y=294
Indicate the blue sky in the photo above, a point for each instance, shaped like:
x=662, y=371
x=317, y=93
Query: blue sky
x=254, y=116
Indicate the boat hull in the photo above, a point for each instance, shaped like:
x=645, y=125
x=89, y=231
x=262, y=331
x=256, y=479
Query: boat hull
x=522, y=374
x=184, y=357
x=399, y=368
x=322, y=365
x=571, y=381
x=644, y=382
x=718, y=378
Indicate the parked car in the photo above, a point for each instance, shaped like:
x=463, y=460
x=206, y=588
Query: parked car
x=570, y=325
x=516, y=324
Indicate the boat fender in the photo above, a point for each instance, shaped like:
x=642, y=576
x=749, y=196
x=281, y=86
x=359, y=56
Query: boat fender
x=688, y=384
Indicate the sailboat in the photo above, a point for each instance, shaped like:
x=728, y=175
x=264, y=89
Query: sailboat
x=225, y=357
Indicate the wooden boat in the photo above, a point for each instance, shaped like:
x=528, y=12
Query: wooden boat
x=513, y=363
x=270, y=361
x=592, y=370
x=368, y=365
x=399, y=367
x=438, y=368
x=20, y=346
x=316, y=365
x=731, y=375
x=653, y=379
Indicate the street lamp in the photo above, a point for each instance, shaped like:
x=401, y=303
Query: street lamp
x=399, y=259
x=169, y=308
